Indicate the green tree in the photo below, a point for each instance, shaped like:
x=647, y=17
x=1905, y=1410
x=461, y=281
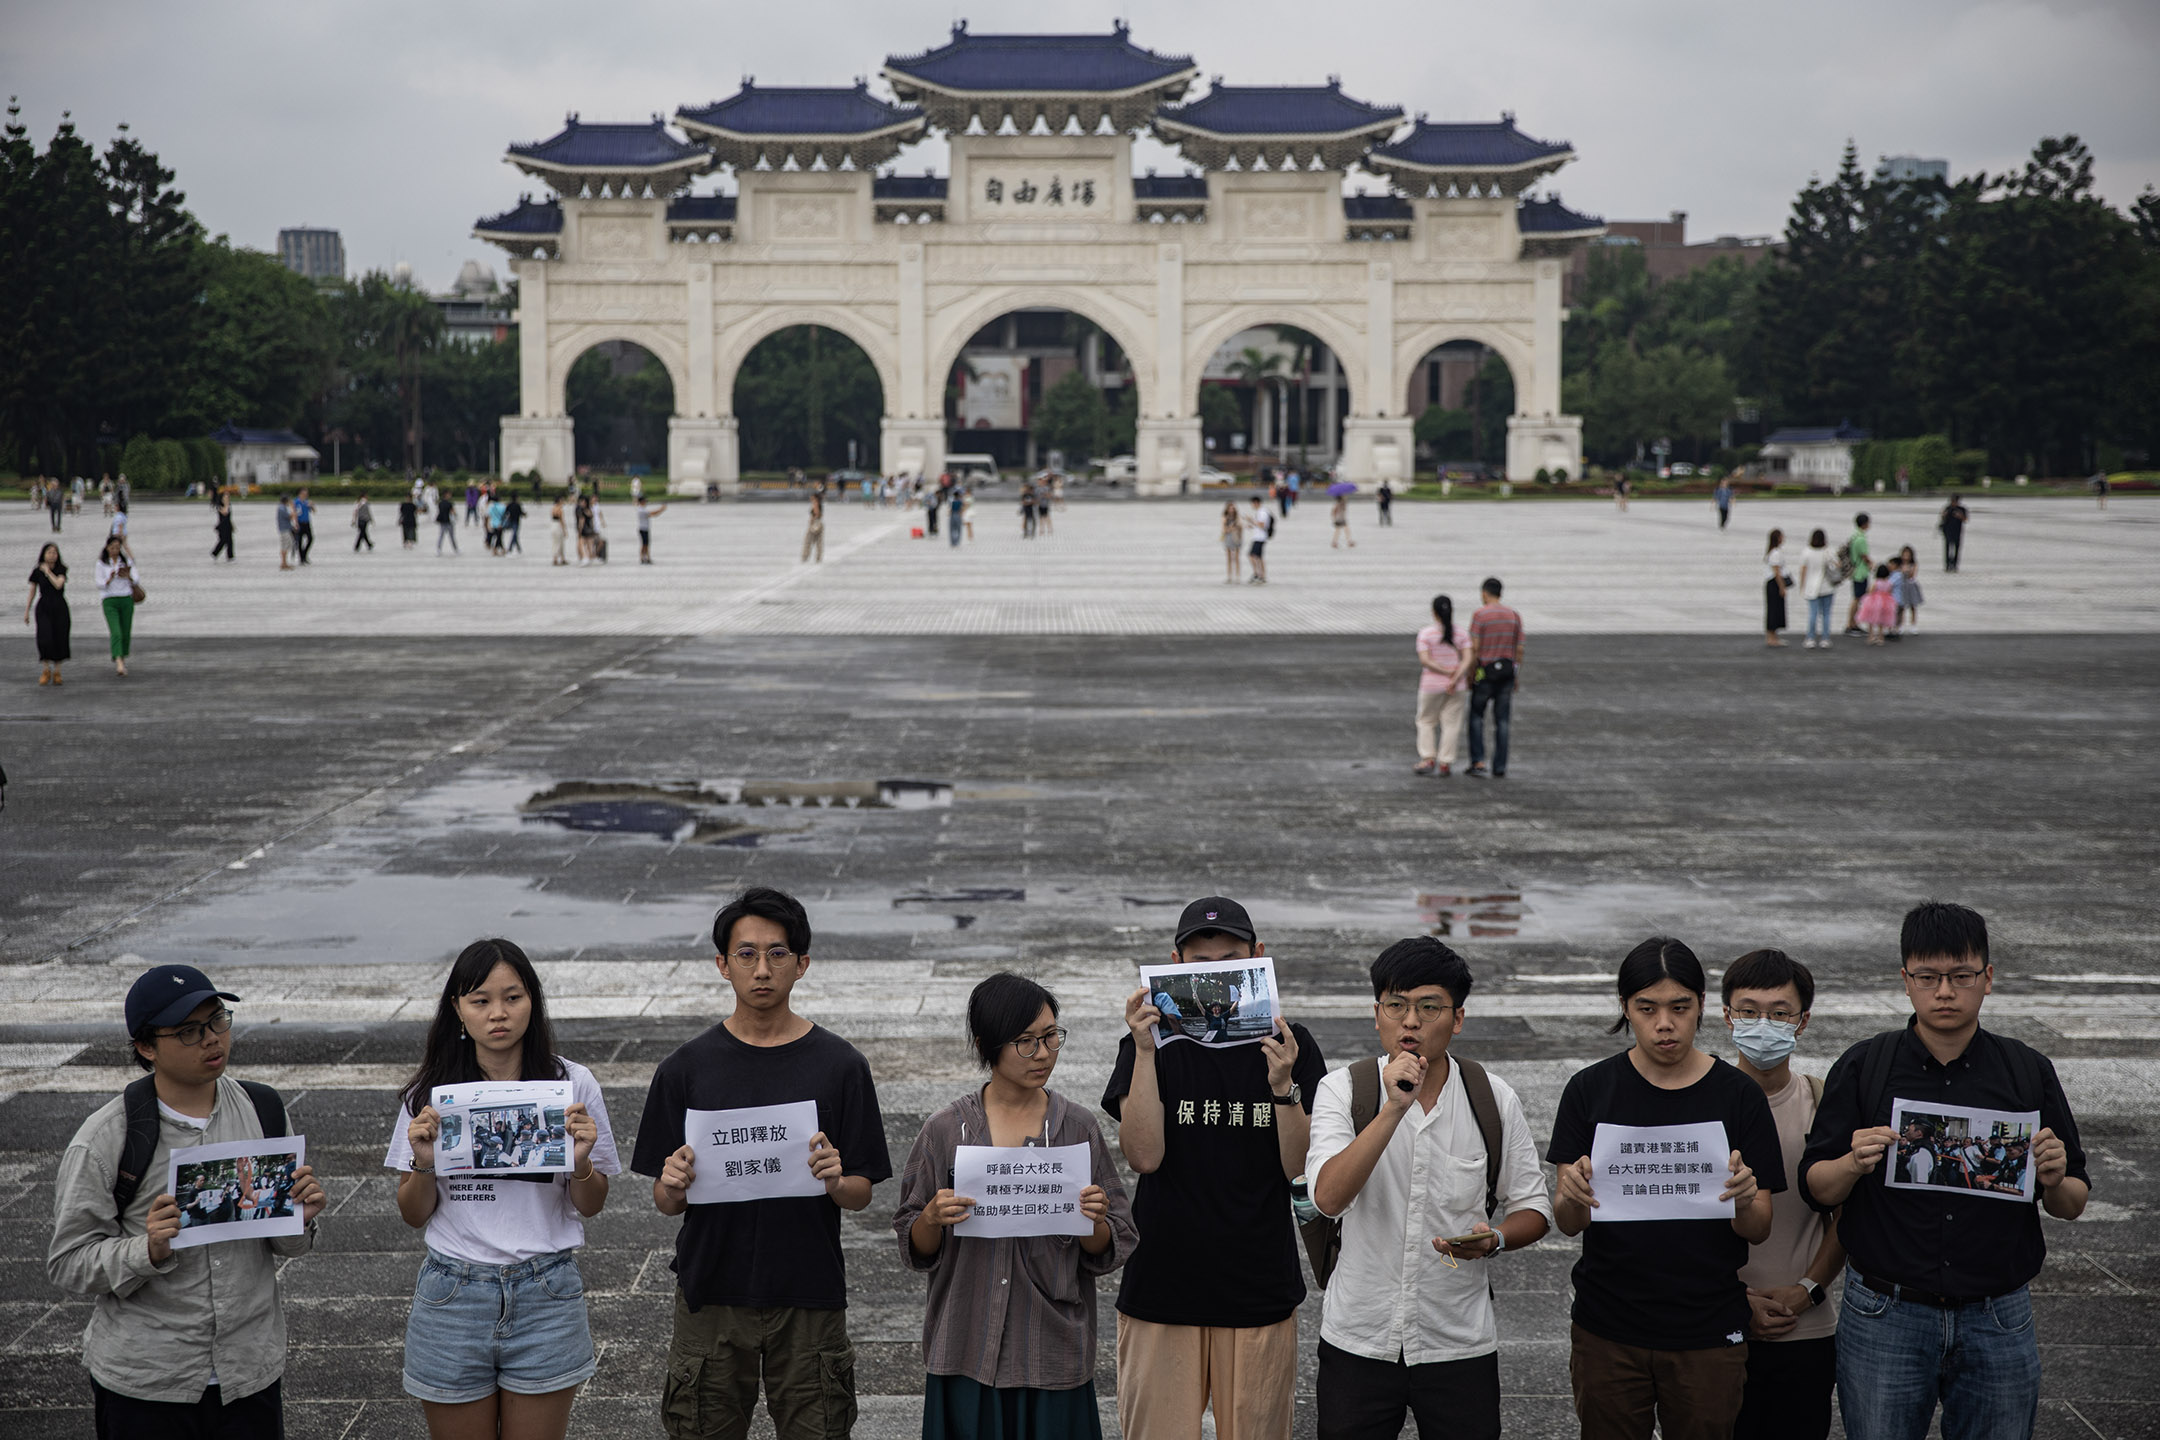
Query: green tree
x=264, y=345
x=1629, y=401
x=1261, y=369
x=1071, y=418
x=801, y=395
x=1220, y=414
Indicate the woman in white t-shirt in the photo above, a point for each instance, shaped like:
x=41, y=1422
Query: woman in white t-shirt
x=1817, y=589
x=1774, y=588
x=499, y=1244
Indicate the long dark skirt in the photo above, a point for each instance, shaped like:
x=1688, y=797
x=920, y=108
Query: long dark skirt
x=53, y=624
x=1773, y=606
x=957, y=1408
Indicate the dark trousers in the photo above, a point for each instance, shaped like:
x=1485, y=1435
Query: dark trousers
x=1789, y=1384
x=260, y=1416
x=1953, y=545
x=1724, y=513
x=304, y=539
x=1502, y=700
x=513, y=534
x=1363, y=1399
x=363, y=539
x=224, y=544
x=1626, y=1392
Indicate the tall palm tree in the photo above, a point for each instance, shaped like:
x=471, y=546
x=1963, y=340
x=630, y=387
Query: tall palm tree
x=1303, y=345
x=1259, y=369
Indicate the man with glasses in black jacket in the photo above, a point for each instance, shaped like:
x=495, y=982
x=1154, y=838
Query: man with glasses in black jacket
x=1936, y=1304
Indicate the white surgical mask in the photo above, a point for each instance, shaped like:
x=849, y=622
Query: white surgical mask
x=1765, y=1042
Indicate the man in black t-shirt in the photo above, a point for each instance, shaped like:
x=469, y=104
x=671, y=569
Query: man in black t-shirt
x=1207, y=1310
x=1936, y=1297
x=760, y=1284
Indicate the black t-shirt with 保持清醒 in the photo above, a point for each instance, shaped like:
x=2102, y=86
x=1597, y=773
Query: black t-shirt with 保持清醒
x=1218, y=1243
x=780, y=1252
x=1665, y=1284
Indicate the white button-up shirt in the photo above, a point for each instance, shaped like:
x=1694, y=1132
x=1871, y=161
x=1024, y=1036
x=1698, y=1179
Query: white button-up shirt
x=1392, y=1295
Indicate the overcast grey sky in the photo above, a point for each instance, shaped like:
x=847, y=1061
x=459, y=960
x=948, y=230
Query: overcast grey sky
x=387, y=119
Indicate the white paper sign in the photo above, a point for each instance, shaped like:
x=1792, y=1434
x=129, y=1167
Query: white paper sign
x=1963, y=1150
x=495, y=1127
x=1216, y=1003
x=236, y=1190
x=758, y=1153
x=1660, y=1172
x=1032, y=1190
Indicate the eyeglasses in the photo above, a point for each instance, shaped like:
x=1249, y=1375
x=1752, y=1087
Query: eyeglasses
x=1781, y=1015
x=1931, y=980
x=776, y=955
x=1030, y=1046
x=1427, y=1009
x=191, y=1033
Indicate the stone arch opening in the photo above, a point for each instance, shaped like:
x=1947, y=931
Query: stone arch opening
x=738, y=339
x=1460, y=389
x=807, y=397
x=1273, y=391
x=1032, y=385
x=619, y=395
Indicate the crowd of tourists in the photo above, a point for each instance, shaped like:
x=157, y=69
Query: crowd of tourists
x=1412, y=1174
x=1886, y=593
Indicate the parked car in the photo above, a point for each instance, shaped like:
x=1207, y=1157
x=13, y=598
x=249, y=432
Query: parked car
x=1209, y=475
x=972, y=469
x=1119, y=467
x=1682, y=467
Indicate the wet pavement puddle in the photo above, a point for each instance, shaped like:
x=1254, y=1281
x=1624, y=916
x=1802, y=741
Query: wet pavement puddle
x=693, y=812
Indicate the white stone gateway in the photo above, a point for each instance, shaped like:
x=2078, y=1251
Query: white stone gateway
x=1041, y=209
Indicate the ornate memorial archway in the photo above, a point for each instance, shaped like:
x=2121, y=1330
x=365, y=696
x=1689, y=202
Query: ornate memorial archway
x=1040, y=208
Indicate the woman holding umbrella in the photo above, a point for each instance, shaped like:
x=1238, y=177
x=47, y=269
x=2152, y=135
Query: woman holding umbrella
x=1341, y=513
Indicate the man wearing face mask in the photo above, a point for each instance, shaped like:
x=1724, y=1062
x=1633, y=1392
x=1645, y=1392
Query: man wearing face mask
x=1792, y=1332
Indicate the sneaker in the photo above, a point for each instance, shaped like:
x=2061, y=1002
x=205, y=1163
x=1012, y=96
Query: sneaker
x=1443, y=772
x=1475, y=772
x=1423, y=767
x=1807, y=644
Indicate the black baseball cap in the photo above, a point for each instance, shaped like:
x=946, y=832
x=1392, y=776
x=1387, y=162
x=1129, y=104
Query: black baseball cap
x=167, y=995
x=1214, y=912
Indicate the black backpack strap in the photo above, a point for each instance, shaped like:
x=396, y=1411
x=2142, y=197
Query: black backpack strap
x=1477, y=1089
x=269, y=1108
x=138, y=1144
x=1875, y=1074
x=1364, y=1094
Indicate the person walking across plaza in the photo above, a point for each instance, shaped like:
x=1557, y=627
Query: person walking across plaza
x=1259, y=527
x=1775, y=588
x=1339, y=515
x=119, y=589
x=1428, y=1162
x=222, y=529
x=761, y=1284
x=954, y=501
x=1938, y=1308
x=1722, y=495
x=1009, y=1331
x=558, y=532
x=303, y=525
x=497, y=1340
x=1792, y=1331
x=1856, y=556
x=1231, y=531
x=286, y=546
x=1659, y=1333
x=1443, y=686
x=645, y=515
x=513, y=522
x=182, y=1344
x=47, y=608
x=1952, y=524
x=1817, y=589
x=813, y=540
x=363, y=517
x=1215, y=1136
x=1386, y=504
x=446, y=523
x=472, y=503
x=1496, y=653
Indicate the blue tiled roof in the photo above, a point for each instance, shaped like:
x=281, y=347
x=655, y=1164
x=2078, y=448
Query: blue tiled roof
x=704, y=208
x=1279, y=110
x=1376, y=207
x=1039, y=64
x=613, y=147
x=234, y=435
x=801, y=110
x=1549, y=217
x=1480, y=145
x=1169, y=187
x=1817, y=435
x=529, y=217
x=909, y=187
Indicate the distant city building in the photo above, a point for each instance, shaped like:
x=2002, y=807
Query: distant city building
x=1912, y=167
x=475, y=310
x=317, y=254
x=1667, y=255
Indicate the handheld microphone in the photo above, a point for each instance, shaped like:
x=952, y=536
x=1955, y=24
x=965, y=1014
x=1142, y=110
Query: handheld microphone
x=1405, y=1086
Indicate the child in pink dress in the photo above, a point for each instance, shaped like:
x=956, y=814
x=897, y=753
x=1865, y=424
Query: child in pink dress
x=1878, y=608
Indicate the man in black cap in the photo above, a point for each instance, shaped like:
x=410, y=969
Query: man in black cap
x=181, y=1343
x=1215, y=1136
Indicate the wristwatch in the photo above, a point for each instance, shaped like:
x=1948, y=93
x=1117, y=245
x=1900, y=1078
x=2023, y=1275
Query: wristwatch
x=1814, y=1292
x=1295, y=1097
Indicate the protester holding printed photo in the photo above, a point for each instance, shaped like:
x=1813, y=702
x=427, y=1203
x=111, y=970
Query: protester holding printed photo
x=181, y=1342
x=498, y=1247
x=761, y=1285
x=1661, y=1317
x=1215, y=1136
x=1009, y=1333
x=1936, y=1288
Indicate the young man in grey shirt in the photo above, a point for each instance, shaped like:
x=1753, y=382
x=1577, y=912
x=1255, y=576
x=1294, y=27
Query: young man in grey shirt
x=181, y=1343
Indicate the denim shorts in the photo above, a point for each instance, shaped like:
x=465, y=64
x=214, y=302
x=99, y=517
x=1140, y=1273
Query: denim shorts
x=476, y=1329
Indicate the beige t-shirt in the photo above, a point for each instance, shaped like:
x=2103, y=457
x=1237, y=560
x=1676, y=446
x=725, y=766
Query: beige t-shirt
x=1796, y=1231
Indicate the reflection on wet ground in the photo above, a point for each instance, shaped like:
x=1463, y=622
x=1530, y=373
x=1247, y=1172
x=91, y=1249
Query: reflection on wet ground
x=686, y=812
x=1496, y=916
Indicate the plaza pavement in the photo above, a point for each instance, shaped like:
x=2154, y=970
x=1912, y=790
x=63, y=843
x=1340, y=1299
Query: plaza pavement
x=320, y=785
